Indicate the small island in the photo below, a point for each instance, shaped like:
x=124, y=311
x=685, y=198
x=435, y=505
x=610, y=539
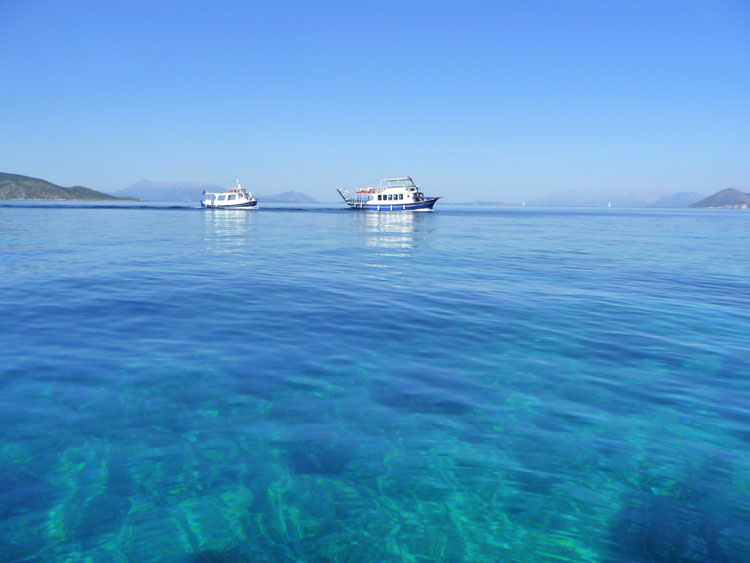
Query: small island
x=725, y=199
x=18, y=187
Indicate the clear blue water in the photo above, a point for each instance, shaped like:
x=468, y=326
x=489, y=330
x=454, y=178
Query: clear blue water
x=321, y=384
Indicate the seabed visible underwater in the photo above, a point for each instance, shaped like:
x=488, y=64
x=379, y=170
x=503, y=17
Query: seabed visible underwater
x=326, y=385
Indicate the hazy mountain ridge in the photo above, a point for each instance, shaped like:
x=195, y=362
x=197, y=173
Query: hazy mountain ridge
x=679, y=199
x=287, y=197
x=19, y=187
x=581, y=198
x=169, y=191
x=192, y=191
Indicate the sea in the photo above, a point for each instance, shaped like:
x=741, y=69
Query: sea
x=312, y=383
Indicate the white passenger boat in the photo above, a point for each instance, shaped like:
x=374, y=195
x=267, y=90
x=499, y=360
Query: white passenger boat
x=238, y=198
x=393, y=194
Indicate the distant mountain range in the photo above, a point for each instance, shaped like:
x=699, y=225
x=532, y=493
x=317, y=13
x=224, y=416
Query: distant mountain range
x=287, y=197
x=16, y=186
x=594, y=199
x=576, y=198
x=729, y=198
x=680, y=199
x=192, y=191
x=147, y=190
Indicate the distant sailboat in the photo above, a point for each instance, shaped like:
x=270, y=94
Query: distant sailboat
x=609, y=204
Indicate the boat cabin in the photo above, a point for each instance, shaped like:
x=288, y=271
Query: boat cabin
x=232, y=196
x=391, y=190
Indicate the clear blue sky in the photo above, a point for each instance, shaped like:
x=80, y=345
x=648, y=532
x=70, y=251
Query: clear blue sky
x=475, y=100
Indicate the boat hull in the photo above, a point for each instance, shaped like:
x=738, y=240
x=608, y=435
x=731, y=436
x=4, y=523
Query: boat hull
x=245, y=205
x=425, y=205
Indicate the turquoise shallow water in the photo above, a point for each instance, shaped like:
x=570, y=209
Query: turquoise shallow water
x=318, y=384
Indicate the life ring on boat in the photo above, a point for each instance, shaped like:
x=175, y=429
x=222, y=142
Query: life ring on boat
x=371, y=191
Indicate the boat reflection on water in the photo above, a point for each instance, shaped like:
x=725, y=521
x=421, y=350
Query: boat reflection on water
x=394, y=230
x=229, y=230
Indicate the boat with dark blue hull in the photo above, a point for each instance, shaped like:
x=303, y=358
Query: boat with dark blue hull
x=237, y=198
x=393, y=194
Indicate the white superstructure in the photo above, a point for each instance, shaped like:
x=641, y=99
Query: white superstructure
x=238, y=197
x=393, y=194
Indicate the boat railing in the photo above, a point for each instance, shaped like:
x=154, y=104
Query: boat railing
x=406, y=182
x=344, y=193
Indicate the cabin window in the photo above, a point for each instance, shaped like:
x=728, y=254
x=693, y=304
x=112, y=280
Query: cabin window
x=400, y=196
x=379, y=196
x=232, y=197
x=222, y=197
x=390, y=197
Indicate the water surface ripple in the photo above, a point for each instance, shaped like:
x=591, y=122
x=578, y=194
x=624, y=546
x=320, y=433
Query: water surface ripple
x=316, y=384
